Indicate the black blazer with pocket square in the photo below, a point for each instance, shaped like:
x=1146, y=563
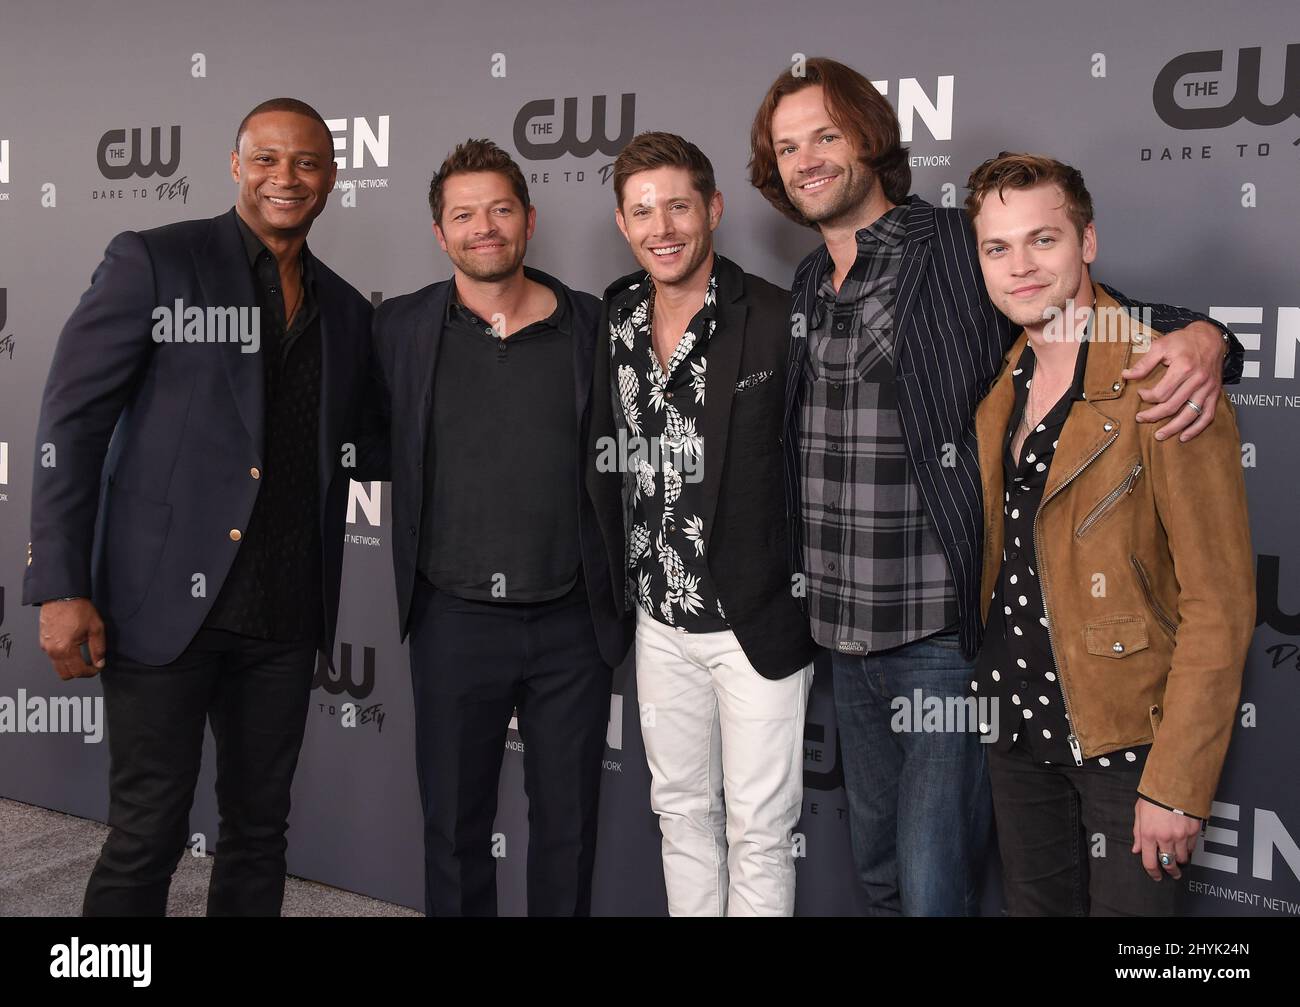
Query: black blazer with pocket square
x=747, y=538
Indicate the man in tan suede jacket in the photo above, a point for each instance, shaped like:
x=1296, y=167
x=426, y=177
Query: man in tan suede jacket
x=1118, y=575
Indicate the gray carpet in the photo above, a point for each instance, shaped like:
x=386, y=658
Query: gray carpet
x=46, y=857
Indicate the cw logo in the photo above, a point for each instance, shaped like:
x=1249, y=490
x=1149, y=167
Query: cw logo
x=117, y=160
x=527, y=127
x=1245, y=102
x=817, y=750
x=340, y=679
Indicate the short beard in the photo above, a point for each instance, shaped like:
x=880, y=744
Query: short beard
x=466, y=265
x=851, y=198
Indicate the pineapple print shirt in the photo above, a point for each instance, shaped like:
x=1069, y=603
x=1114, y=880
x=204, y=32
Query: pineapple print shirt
x=663, y=412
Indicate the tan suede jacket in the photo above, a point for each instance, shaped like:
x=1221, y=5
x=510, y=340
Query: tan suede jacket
x=1146, y=569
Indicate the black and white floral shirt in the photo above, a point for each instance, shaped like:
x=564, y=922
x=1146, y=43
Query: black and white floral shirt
x=663, y=412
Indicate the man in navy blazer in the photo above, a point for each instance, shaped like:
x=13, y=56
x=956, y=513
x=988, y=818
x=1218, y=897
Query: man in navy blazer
x=188, y=508
x=481, y=388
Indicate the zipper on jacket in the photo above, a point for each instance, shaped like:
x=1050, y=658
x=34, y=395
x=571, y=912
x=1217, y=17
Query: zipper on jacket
x=1075, y=748
x=1112, y=498
x=1169, y=625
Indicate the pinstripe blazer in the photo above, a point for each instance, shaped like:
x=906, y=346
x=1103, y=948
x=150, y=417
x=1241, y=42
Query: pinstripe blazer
x=949, y=341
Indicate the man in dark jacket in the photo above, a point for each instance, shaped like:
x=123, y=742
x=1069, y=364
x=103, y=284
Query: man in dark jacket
x=686, y=471
x=481, y=387
x=225, y=362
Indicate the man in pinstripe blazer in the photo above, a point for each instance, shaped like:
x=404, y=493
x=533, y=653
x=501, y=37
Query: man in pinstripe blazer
x=894, y=342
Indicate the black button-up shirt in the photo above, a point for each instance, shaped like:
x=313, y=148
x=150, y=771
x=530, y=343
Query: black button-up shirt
x=1016, y=665
x=500, y=516
x=273, y=590
x=664, y=410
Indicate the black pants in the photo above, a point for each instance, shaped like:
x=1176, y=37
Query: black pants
x=1066, y=835
x=255, y=695
x=473, y=664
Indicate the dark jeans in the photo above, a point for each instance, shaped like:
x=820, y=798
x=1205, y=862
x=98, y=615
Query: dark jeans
x=473, y=663
x=919, y=808
x=254, y=693
x=1065, y=834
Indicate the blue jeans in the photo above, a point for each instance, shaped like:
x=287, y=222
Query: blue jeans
x=919, y=801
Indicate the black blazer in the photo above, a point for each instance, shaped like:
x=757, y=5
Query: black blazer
x=407, y=333
x=129, y=524
x=949, y=341
x=746, y=541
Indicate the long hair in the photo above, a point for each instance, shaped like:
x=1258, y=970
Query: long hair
x=855, y=107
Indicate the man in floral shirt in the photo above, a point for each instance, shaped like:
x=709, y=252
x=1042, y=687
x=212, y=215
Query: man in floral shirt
x=685, y=474
x=664, y=406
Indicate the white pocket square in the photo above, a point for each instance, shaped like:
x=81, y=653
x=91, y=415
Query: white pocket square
x=754, y=379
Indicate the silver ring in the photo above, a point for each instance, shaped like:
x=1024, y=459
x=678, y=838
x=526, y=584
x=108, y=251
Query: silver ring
x=1165, y=860
x=1194, y=407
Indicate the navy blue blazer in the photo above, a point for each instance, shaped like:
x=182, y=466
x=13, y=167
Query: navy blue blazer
x=145, y=449
x=949, y=341
x=407, y=334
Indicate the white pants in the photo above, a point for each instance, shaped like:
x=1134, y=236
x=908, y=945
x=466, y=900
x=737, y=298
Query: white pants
x=712, y=726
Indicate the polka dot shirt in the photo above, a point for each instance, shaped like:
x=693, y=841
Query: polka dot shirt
x=1016, y=664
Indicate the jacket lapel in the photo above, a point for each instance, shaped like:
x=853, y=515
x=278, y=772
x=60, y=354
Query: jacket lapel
x=912, y=269
x=1089, y=429
x=584, y=351
x=425, y=338
x=725, y=348
x=802, y=301
x=991, y=420
x=1087, y=432
x=338, y=367
x=227, y=281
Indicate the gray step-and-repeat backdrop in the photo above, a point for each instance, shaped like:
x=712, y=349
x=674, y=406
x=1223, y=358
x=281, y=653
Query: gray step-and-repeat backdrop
x=1184, y=117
